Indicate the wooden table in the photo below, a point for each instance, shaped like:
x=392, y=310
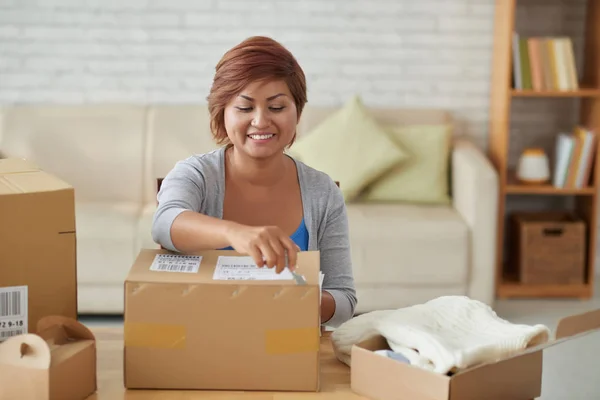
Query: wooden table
x=335, y=377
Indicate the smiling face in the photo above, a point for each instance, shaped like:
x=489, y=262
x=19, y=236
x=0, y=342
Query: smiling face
x=261, y=121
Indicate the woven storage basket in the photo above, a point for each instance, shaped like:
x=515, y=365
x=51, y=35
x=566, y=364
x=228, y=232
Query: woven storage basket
x=548, y=247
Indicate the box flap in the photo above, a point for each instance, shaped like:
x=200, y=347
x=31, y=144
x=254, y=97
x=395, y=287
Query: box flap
x=31, y=182
x=18, y=175
x=576, y=325
x=376, y=342
x=16, y=165
x=147, y=268
x=569, y=328
x=73, y=328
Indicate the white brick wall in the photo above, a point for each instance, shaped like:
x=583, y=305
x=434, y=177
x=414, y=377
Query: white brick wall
x=426, y=53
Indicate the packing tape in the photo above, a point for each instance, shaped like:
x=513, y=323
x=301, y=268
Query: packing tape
x=154, y=336
x=290, y=341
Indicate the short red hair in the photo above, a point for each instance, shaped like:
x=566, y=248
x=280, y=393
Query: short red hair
x=256, y=58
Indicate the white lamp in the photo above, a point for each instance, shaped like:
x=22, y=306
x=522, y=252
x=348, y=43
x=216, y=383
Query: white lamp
x=533, y=167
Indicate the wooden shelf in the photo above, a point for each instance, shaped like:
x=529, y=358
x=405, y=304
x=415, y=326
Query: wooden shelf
x=514, y=186
x=502, y=105
x=513, y=289
x=583, y=92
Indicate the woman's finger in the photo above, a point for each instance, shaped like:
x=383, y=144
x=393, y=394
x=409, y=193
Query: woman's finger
x=279, y=250
x=256, y=255
x=269, y=255
x=292, y=251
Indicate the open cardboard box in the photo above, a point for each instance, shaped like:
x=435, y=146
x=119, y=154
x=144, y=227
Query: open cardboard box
x=517, y=377
x=57, y=363
x=188, y=327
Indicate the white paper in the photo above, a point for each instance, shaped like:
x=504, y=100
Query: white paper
x=176, y=263
x=244, y=268
x=321, y=277
x=13, y=311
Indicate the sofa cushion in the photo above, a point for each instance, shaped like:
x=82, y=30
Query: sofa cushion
x=174, y=133
x=144, y=238
x=350, y=147
x=105, y=241
x=97, y=149
x=408, y=244
x=423, y=176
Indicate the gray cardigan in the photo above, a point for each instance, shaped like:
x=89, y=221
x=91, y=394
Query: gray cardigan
x=198, y=183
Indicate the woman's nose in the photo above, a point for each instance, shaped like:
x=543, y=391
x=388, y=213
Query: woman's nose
x=260, y=120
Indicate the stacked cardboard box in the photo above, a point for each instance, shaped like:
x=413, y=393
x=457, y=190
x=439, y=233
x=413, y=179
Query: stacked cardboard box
x=37, y=247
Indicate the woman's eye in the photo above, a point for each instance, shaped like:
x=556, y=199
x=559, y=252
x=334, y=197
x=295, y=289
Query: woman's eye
x=248, y=109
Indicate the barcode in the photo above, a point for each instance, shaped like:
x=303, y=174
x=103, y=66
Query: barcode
x=175, y=267
x=176, y=263
x=11, y=333
x=10, y=304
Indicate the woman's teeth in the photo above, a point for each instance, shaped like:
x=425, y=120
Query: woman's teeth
x=261, y=137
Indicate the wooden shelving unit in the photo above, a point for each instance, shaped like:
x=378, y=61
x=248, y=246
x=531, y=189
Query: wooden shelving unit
x=502, y=94
x=583, y=92
x=513, y=186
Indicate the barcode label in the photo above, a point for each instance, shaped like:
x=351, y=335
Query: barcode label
x=10, y=304
x=6, y=334
x=13, y=311
x=176, y=263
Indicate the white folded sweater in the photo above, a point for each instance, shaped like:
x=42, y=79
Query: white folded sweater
x=447, y=334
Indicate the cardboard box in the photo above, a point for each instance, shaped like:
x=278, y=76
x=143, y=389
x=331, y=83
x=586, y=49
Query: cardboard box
x=186, y=330
x=57, y=363
x=518, y=377
x=37, y=247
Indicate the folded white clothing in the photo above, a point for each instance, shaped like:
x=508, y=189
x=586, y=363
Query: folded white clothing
x=451, y=333
x=353, y=331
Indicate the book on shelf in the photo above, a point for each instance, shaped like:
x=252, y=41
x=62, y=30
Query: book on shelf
x=544, y=63
x=575, y=154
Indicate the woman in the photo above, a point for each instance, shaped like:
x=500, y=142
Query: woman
x=249, y=195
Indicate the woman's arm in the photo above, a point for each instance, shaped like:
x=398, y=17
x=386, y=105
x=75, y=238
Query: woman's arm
x=327, y=306
x=192, y=232
x=339, y=296
x=178, y=224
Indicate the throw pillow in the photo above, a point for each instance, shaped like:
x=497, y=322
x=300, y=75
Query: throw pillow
x=423, y=176
x=349, y=146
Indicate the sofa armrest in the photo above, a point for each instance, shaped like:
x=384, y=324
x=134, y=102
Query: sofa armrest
x=475, y=198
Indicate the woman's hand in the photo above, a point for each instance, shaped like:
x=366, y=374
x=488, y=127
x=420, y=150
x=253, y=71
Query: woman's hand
x=267, y=245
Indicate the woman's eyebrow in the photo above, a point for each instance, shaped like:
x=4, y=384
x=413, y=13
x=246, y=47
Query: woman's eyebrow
x=268, y=98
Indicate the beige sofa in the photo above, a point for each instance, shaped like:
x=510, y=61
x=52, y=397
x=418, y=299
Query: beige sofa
x=402, y=254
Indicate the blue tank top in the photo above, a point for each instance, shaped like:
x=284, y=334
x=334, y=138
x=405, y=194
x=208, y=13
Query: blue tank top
x=300, y=237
